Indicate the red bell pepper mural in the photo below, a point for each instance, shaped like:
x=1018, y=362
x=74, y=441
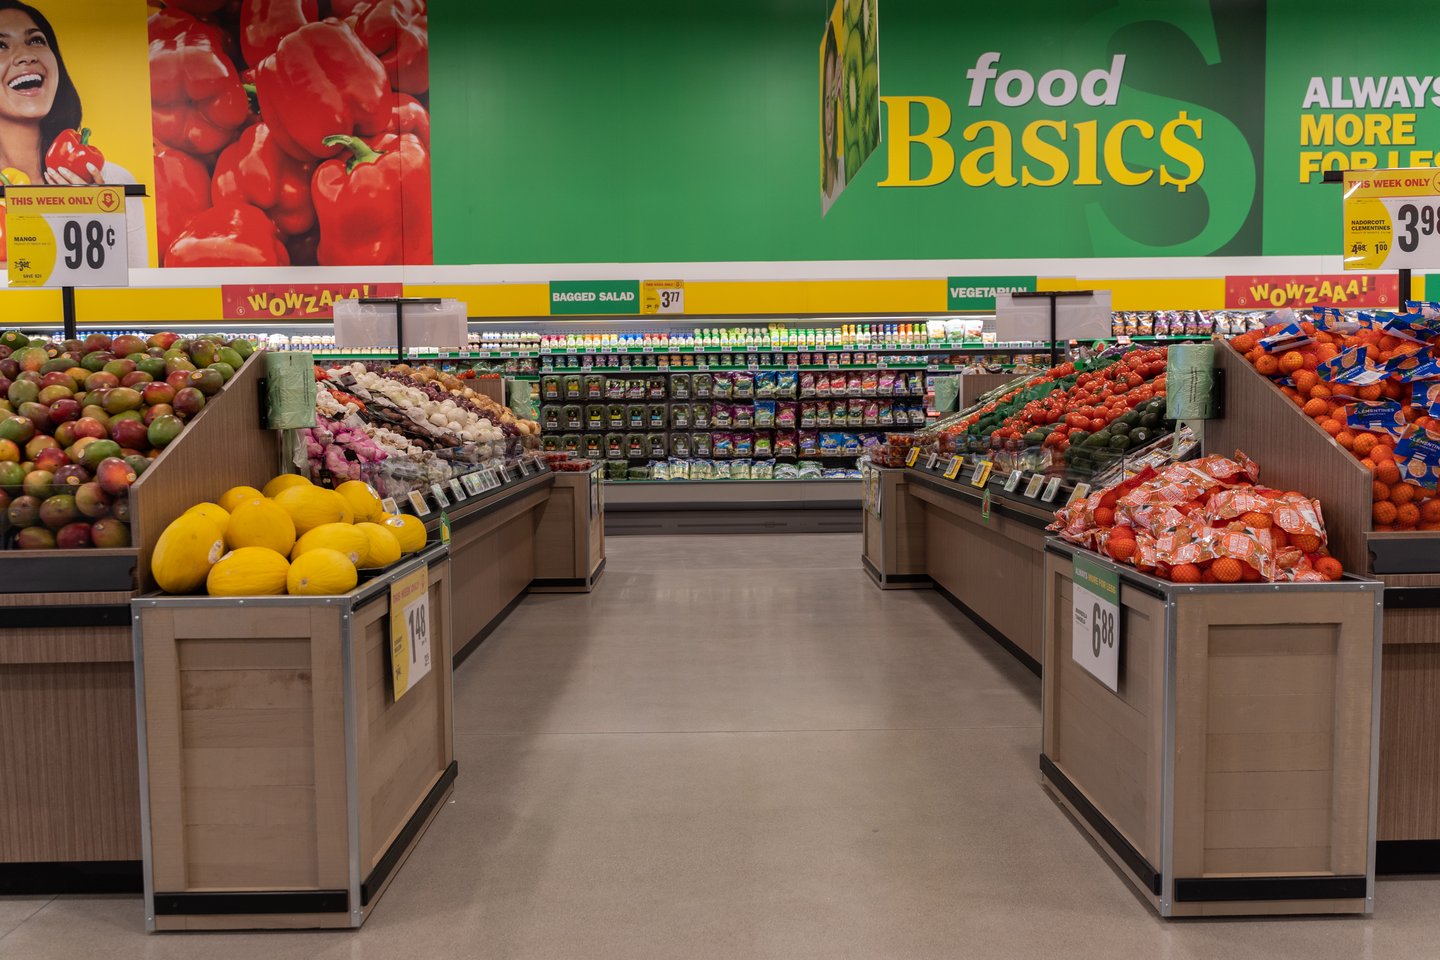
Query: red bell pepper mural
x=311, y=134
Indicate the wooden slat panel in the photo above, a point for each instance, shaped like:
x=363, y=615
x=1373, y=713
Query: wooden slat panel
x=257, y=622
x=1270, y=751
x=1410, y=742
x=1294, y=454
x=276, y=727
x=1251, y=861
x=221, y=448
x=200, y=653
x=244, y=689
x=1268, y=790
x=270, y=857
x=240, y=767
x=1264, y=829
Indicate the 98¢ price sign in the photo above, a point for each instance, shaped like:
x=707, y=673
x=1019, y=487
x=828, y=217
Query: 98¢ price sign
x=66, y=236
x=1095, y=621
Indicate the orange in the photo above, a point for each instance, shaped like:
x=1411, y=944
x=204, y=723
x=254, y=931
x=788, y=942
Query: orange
x=1430, y=525
x=1185, y=573
x=1306, y=542
x=1319, y=390
x=1249, y=574
x=1290, y=361
x=1382, y=453
x=1403, y=492
x=1364, y=443
x=1104, y=517
x=1407, y=516
x=1430, y=511
x=1256, y=519
x=1329, y=568
x=1227, y=569
x=1390, y=343
x=1345, y=438
x=1122, y=533
x=1306, y=380
x=1384, y=527
x=1291, y=392
x=1368, y=465
x=1383, y=512
x=1379, y=491
x=1207, y=576
x=1332, y=426
x=1371, y=392
x=1279, y=538
x=1268, y=365
x=1245, y=342
x=1120, y=549
x=1316, y=408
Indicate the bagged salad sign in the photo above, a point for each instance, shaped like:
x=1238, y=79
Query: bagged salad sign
x=571, y=297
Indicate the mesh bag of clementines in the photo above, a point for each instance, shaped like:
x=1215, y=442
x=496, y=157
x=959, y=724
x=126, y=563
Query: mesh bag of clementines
x=1372, y=382
x=1204, y=521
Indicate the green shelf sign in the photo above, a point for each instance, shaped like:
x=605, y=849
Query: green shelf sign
x=578, y=297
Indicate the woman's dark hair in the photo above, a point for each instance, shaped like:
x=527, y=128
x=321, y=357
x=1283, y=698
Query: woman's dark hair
x=65, y=113
x=832, y=49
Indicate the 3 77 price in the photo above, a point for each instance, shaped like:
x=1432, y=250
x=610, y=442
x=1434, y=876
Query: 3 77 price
x=1102, y=628
x=88, y=245
x=671, y=299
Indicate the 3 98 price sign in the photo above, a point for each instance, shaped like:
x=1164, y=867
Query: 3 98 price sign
x=1392, y=219
x=66, y=236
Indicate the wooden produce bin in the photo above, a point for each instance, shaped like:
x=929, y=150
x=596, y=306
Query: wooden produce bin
x=570, y=541
x=991, y=569
x=492, y=552
x=893, y=551
x=1234, y=772
x=282, y=783
x=67, y=696
x=1295, y=453
x=973, y=386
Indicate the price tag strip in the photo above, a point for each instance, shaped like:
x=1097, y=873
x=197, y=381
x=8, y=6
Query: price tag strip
x=389, y=505
x=409, y=630
x=67, y=236
x=1012, y=481
x=953, y=471
x=981, y=474
x=438, y=492
x=1081, y=491
x=912, y=456
x=472, y=484
x=1095, y=621
x=457, y=489
x=931, y=460
x=1051, y=489
x=1032, y=489
x=417, y=503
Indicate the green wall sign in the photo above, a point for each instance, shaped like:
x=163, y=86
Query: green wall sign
x=572, y=297
x=978, y=293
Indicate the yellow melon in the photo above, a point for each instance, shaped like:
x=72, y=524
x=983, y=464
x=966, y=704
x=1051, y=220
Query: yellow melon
x=248, y=572
x=409, y=530
x=341, y=537
x=214, y=512
x=260, y=522
x=235, y=496
x=321, y=572
x=384, y=545
x=361, y=498
x=310, y=506
x=185, y=552
x=284, y=482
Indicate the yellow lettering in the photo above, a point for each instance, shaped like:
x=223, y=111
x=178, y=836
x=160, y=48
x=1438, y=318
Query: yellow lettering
x=1404, y=129
x=1088, y=161
x=1115, y=149
x=1000, y=153
x=1042, y=151
x=1316, y=131
x=942, y=155
x=1181, y=152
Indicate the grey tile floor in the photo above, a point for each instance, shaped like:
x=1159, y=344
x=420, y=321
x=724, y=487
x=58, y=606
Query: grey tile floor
x=739, y=748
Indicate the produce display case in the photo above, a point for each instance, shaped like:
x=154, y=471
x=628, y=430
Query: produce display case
x=570, y=540
x=1299, y=452
x=1233, y=769
x=283, y=784
x=894, y=530
x=66, y=677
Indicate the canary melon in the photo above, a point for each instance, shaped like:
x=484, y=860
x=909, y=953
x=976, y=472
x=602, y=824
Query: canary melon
x=361, y=498
x=185, y=553
x=214, y=512
x=409, y=530
x=260, y=522
x=321, y=572
x=384, y=545
x=341, y=537
x=284, y=482
x=235, y=496
x=248, y=572
x=310, y=506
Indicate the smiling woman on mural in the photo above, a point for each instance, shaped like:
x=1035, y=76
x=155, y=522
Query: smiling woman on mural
x=40, y=113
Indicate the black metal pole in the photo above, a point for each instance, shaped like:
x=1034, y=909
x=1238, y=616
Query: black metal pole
x=1404, y=287
x=400, y=330
x=67, y=305
x=1054, y=347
